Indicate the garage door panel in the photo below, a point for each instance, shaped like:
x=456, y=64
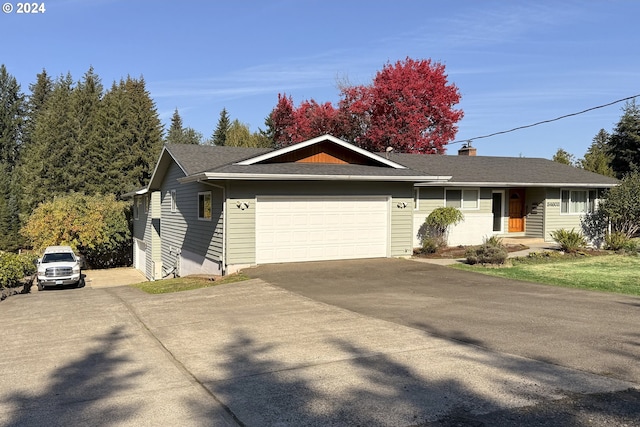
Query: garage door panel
x=321, y=228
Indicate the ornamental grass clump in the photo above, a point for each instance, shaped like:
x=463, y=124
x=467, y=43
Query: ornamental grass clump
x=570, y=241
x=492, y=251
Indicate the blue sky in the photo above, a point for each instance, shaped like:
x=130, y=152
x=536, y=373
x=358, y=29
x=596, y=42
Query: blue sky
x=515, y=62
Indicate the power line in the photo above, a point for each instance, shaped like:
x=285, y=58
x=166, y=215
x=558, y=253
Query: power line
x=545, y=121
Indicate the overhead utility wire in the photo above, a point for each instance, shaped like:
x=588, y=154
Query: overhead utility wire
x=545, y=121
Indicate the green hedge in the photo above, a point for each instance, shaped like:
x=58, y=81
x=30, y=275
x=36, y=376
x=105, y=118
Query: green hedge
x=15, y=267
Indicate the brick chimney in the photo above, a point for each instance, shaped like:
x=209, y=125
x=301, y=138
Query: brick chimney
x=467, y=150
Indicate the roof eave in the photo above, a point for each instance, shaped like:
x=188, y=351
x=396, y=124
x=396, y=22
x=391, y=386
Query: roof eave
x=515, y=184
x=213, y=176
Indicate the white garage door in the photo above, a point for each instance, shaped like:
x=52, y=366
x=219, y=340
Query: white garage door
x=321, y=228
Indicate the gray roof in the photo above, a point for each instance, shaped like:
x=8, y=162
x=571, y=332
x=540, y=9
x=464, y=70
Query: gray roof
x=201, y=158
x=501, y=170
x=464, y=170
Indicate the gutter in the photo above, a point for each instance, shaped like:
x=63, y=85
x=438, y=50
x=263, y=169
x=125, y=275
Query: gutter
x=224, y=223
x=514, y=184
x=205, y=176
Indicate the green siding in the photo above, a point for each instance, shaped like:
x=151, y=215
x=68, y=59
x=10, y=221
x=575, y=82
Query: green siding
x=182, y=230
x=535, y=208
x=554, y=219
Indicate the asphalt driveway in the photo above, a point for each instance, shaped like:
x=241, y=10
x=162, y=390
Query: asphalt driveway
x=585, y=330
x=257, y=354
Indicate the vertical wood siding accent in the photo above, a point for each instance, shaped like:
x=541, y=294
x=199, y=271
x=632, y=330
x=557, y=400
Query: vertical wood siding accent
x=241, y=230
x=535, y=211
x=182, y=229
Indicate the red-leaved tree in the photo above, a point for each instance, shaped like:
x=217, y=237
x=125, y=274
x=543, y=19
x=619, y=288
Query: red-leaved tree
x=409, y=106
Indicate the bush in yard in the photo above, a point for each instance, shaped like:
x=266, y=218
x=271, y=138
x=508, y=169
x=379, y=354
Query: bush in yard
x=621, y=205
x=594, y=227
x=492, y=251
x=616, y=241
x=15, y=267
x=569, y=241
x=438, y=223
x=429, y=245
x=96, y=226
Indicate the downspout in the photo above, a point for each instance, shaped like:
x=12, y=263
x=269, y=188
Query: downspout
x=224, y=223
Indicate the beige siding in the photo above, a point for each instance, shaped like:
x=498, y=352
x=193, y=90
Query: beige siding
x=241, y=220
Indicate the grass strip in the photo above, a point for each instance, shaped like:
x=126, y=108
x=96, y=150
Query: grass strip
x=188, y=283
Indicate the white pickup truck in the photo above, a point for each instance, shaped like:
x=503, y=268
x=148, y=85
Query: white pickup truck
x=59, y=266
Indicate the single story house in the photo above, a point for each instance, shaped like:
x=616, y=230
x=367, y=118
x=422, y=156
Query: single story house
x=216, y=210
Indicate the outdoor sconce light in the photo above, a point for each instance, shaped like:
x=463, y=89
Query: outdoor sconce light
x=242, y=205
x=402, y=205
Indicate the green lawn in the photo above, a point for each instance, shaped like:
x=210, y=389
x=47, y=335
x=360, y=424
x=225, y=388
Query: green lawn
x=186, y=283
x=608, y=273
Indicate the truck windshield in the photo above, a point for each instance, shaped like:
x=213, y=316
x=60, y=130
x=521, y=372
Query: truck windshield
x=60, y=257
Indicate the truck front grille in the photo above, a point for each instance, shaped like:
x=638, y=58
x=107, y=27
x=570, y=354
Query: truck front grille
x=58, y=271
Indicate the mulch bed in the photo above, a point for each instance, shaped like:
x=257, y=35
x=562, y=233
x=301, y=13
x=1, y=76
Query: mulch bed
x=459, y=251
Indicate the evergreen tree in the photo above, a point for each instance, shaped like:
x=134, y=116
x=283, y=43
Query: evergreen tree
x=564, y=157
x=86, y=104
x=624, y=143
x=597, y=158
x=144, y=136
x=174, y=136
x=12, y=116
x=268, y=135
x=220, y=134
x=181, y=135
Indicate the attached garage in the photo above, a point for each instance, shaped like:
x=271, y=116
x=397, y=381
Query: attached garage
x=316, y=228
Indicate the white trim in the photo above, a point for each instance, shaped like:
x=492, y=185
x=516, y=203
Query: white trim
x=173, y=201
x=306, y=177
x=416, y=198
x=588, y=200
x=513, y=184
x=317, y=140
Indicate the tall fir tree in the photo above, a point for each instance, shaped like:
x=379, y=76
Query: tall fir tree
x=174, y=135
x=597, y=158
x=624, y=143
x=12, y=116
x=219, y=136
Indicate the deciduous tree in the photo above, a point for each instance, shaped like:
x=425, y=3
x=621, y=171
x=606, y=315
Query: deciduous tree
x=564, y=157
x=409, y=106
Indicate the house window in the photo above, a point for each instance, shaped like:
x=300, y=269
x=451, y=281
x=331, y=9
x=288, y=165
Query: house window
x=136, y=214
x=174, y=203
x=416, y=199
x=578, y=201
x=462, y=199
x=146, y=203
x=204, y=205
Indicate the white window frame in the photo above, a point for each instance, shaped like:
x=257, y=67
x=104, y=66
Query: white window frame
x=174, y=201
x=205, y=194
x=591, y=201
x=416, y=198
x=462, y=191
x=145, y=201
